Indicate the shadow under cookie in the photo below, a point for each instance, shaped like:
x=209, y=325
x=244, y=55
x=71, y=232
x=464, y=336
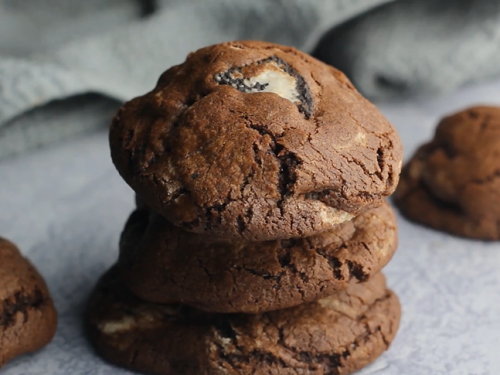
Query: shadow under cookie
x=165, y=264
x=335, y=335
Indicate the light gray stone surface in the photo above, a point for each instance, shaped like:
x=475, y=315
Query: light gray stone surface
x=65, y=208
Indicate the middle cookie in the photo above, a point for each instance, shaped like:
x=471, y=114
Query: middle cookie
x=162, y=263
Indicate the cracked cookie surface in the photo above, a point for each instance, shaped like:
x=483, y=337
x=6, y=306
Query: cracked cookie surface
x=453, y=182
x=28, y=318
x=255, y=141
x=163, y=263
x=335, y=335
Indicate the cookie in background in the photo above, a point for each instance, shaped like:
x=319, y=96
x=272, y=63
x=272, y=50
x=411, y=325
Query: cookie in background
x=452, y=183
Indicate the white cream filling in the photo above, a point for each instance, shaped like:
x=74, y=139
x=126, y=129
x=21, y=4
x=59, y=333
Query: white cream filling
x=277, y=82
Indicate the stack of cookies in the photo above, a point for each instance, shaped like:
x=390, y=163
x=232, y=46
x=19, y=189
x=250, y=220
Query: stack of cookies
x=261, y=224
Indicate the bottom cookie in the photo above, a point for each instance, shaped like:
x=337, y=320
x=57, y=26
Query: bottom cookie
x=28, y=318
x=335, y=335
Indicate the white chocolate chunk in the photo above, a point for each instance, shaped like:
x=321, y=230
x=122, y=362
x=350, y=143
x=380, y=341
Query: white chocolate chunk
x=117, y=326
x=144, y=320
x=334, y=216
x=336, y=305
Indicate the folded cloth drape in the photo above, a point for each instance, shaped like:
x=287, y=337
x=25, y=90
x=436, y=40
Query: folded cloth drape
x=66, y=64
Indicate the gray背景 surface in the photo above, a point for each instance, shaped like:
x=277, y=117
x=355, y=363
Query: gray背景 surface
x=65, y=207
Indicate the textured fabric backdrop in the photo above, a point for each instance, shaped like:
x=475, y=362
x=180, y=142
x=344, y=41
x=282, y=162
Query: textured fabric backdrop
x=66, y=205
x=52, y=50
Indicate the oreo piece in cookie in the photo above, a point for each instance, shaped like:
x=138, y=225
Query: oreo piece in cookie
x=270, y=75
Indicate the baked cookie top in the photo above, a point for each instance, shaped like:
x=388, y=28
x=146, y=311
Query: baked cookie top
x=457, y=176
x=28, y=318
x=335, y=335
x=163, y=263
x=257, y=141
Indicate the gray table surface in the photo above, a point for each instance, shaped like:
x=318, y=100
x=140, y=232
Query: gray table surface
x=65, y=207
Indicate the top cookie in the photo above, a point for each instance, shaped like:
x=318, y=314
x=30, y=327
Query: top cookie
x=256, y=141
x=452, y=183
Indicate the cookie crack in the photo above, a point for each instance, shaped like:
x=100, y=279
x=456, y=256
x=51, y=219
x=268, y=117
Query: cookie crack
x=136, y=156
x=335, y=264
x=339, y=193
x=240, y=222
x=490, y=178
x=329, y=362
x=235, y=360
x=288, y=160
x=177, y=194
x=20, y=303
x=225, y=329
x=361, y=165
x=214, y=214
x=381, y=163
x=241, y=355
x=356, y=270
x=332, y=362
x=287, y=174
x=205, y=269
x=246, y=182
x=285, y=261
x=261, y=274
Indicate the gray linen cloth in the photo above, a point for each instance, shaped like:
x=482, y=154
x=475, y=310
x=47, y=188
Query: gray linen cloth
x=54, y=53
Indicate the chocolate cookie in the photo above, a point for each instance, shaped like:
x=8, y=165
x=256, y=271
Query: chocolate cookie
x=255, y=141
x=165, y=264
x=28, y=318
x=453, y=182
x=335, y=335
